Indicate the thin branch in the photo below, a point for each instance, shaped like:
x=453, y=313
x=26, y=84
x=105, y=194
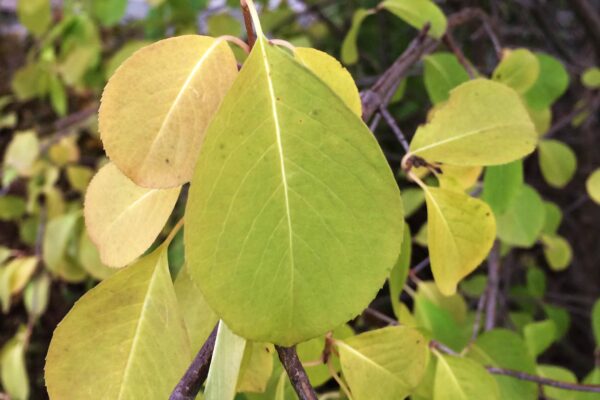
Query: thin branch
x=189, y=386
x=67, y=125
x=451, y=43
x=544, y=381
x=298, y=378
x=493, y=286
x=389, y=119
x=478, y=316
x=248, y=23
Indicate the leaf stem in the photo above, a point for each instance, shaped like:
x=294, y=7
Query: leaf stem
x=248, y=23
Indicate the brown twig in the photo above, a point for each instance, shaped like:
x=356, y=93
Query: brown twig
x=67, y=125
x=290, y=361
x=544, y=381
x=189, y=386
x=492, y=288
x=389, y=119
x=451, y=43
x=248, y=23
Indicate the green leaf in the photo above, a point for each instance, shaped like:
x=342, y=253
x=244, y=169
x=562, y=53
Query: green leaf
x=518, y=69
x=552, y=82
x=483, y=123
x=37, y=295
x=35, y=15
x=58, y=96
x=474, y=286
x=542, y=119
x=593, y=378
x=461, y=231
x=593, y=186
x=256, y=367
x=558, y=162
x=539, y=336
x=225, y=365
x=123, y=219
x=60, y=241
x=536, y=282
x=412, y=200
x=124, y=339
x=11, y=207
x=333, y=74
x=522, y=224
x=501, y=185
x=198, y=316
x=400, y=272
x=79, y=177
x=557, y=251
x=553, y=218
x=312, y=350
x=328, y=206
x=559, y=374
x=109, y=12
x=349, y=53
x=385, y=363
x=505, y=349
x=418, y=13
x=13, y=371
x=591, y=78
x=596, y=322
x=153, y=130
x=561, y=319
x=458, y=378
x=442, y=73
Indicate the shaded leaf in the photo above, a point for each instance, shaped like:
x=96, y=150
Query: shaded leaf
x=418, y=13
x=501, y=185
x=400, y=272
x=539, y=336
x=459, y=378
x=522, y=224
x=349, y=53
x=13, y=371
x=552, y=82
x=558, y=162
x=442, y=73
x=559, y=374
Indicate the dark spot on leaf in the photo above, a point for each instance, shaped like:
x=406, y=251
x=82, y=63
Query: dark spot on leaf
x=167, y=160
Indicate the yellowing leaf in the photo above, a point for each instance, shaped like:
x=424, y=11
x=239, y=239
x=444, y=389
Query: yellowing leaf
x=541, y=118
x=79, y=177
x=157, y=105
x=225, y=365
x=593, y=186
x=483, y=123
x=442, y=73
x=22, y=152
x=459, y=178
x=418, y=13
x=122, y=218
x=89, y=258
x=292, y=204
x=124, y=339
x=458, y=378
x=333, y=74
x=460, y=231
x=386, y=363
x=13, y=278
x=37, y=294
x=518, y=69
x=123, y=54
x=64, y=152
x=256, y=367
x=557, y=251
x=591, y=78
x=199, y=318
x=522, y=223
x=13, y=371
x=35, y=15
x=349, y=53
x=558, y=162
x=59, y=247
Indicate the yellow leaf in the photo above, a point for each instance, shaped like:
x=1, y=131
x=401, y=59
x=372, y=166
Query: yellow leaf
x=518, y=69
x=483, y=123
x=122, y=218
x=461, y=231
x=22, y=152
x=333, y=74
x=593, y=186
x=157, y=105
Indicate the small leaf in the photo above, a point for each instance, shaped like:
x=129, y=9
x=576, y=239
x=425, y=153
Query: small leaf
x=552, y=82
x=418, y=13
x=37, y=294
x=557, y=251
x=198, y=316
x=483, y=123
x=13, y=371
x=109, y=12
x=412, y=199
x=539, y=336
x=153, y=128
x=333, y=74
x=328, y=206
x=518, y=69
x=505, y=349
x=558, y=374
x=385, y=363
x=561, y=319
x=35, y=15
x=536, y=282
x=256, y=367
x=458, y=378
x=64, y=152
x=22, y=152
x=124, y=339
x=79, y=177
x=593, y=186
x=60, y=238
x=89, y=258
x=591, y=78
x=553, y=218
x=400, y=272
x=122, y=218
x=461, y=231
x=558, y=162
x=501, y=185
x=442, y=73
x=522, y=224
x=11, y=207
x=349, y=51
x=225, y=365
x=13, y=278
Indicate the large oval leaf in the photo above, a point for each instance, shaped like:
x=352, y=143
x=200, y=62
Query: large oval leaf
x=460, y=231
x=157, y=105
x=124, y=339
x=292, y=206
x=386, y=363
x=483, y=123
x=122, y=218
